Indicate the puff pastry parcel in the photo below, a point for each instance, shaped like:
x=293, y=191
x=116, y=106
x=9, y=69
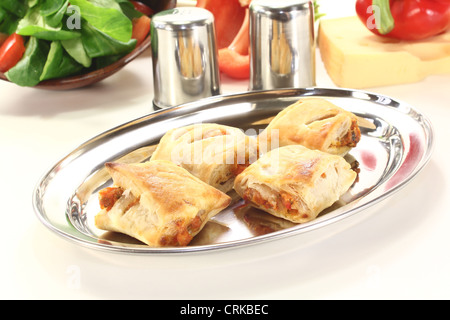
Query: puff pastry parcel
x=294, y=182
x=214, y=153
x=158, y=203
x=316, y=124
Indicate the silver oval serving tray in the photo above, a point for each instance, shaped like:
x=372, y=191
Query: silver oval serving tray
x=396, y=144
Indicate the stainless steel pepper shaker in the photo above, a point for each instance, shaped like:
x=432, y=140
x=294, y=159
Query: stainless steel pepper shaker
x=282, y=44
x=184, y=53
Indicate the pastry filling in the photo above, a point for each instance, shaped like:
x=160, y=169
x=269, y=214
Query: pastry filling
x=109, y=196
x=129, y=204
x=279, y=202
x=351, y=138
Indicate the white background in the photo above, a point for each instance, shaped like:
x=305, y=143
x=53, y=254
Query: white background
x=400, y=252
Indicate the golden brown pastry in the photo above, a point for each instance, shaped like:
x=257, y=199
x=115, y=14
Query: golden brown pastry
x=294, y=182
x=314, y=123
x=214, y=153
x=158, y=203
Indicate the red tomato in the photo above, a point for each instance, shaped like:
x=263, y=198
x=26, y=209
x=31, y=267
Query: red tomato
x=11, y=52
x=141, y=28
x=142, y=8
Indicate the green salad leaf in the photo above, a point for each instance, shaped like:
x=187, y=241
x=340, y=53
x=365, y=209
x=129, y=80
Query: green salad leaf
x=8, y=19
x=17, y=7
x=56, y=18
x=3, y=15
x=128, y=9
x=50, y=7
x=34, y=24
x=99, y=44
x=67, y=37
x=28, y=70
x=75, y=49
x=59, y=63
x=107, y=17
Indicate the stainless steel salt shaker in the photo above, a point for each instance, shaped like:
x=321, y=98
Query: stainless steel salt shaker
x=184, y=53
x=282, y=44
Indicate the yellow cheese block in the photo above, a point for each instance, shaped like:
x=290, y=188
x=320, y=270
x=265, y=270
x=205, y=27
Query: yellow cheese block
x=356, y=58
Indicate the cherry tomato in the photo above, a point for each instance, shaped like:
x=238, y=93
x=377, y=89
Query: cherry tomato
x=11, y=52
x=142, y=8
x=141, y=28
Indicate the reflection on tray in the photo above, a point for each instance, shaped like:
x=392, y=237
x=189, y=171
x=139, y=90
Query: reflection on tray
x=260, y=222
x=242, y=219
x=117, y=237
x=210, y=233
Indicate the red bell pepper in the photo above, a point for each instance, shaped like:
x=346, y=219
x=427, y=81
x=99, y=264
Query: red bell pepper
x=228, y=18
x=232, y=32
x=405, y=19
x=234, y=60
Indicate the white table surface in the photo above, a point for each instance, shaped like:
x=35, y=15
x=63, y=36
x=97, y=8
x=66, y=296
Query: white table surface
x=400, y=252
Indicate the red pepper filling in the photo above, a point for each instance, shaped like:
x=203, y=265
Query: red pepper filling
x=109, y=196
x=283, y=199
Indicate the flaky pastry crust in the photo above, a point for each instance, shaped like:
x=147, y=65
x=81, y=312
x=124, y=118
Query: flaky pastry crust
x=294, y=182
x=214, y=153
x=158, y=203
x=315, y=123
